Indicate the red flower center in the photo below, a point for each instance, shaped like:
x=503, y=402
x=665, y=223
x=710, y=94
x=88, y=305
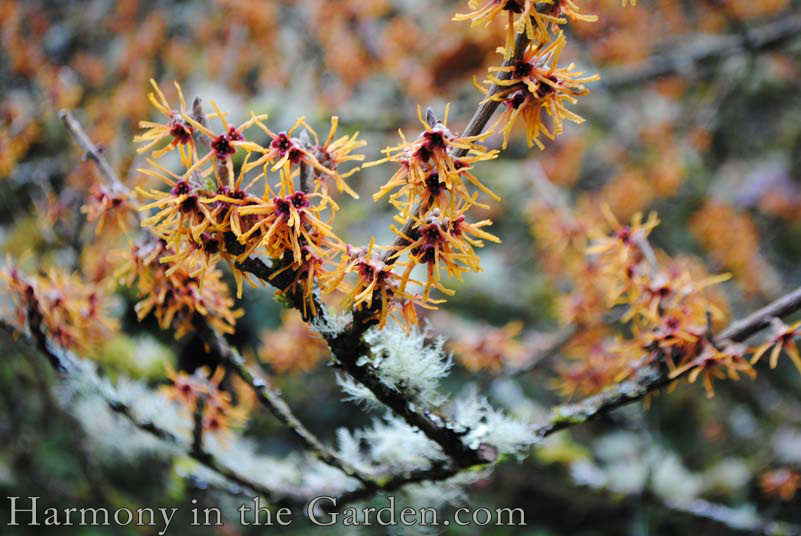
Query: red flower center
x=180, y=131
x=221, y=146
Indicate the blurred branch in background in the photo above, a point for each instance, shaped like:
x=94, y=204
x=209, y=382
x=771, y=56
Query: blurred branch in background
x=685, y=58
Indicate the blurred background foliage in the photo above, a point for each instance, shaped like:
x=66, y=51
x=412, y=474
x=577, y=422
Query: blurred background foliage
x=713, y=145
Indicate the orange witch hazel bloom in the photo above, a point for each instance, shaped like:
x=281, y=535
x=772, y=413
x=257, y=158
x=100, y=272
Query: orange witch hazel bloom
x=444, y=243
x=189, y=390
x=427, y=163
x=73, y=314
x=626, y=240
x=174, y=296
x=669, y=313
x=782, y=339
x=537, y=86
x=288, y=222
x=783, y=482
x=569, y=8
x=293, y=347
x=107, y=205
x=185, y=389
x=179, y=210
x=378, y=289
x=222, y=146
x=333, y=153
x=198, y=215
x=713, y=362
x=287, y=151
x=177, y=129
x=489, y=348
x=434, y=193
x=521, y=16
x=600, y=364
x=290, y=227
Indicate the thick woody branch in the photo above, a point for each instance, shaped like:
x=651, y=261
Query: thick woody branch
x=348, y=346
x=647, y=380
x=65, y=363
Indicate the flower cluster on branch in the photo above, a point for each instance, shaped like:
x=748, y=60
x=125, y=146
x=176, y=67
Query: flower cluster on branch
x=74, y=314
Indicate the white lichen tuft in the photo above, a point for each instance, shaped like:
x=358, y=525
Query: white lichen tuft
x=153, y=406
x=300, y=474
x=485, y=424
x=331, y=322
x=86, y=396
x=319, y=478
x=351, y=451
x=389, y=444
x=407, y=364
x=445, y=493
x=358, y=393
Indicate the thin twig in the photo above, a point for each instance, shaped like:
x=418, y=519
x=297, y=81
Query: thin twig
x=348, y=346
x=268, y=397
x=742, y=329
x=91, y=151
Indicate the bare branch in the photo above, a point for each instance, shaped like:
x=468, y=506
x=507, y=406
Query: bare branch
x=275, y=404
x=91, y=151
x=760, y=319
x=348, y=346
